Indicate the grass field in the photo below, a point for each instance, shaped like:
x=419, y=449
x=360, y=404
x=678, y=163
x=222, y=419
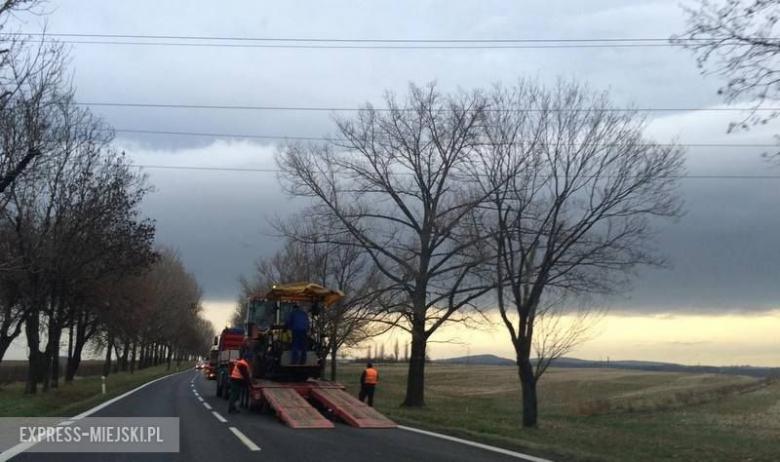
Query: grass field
x=595, y=414
x=71, y=399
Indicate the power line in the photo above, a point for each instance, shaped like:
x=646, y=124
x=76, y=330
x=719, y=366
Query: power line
x=216, y=169
x=359, y=109
x=663, y=40
x=373, y=47
x=273, y=170
x=315, y=138
x=226, y=135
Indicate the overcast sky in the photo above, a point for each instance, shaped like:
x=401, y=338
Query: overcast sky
x=724, y=252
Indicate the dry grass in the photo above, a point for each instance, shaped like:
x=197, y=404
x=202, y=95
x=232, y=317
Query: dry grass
x=71, y=398
x=597, y=414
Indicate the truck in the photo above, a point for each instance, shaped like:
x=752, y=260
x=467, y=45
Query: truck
x=229, y=346
x=210, y=370
x=296, y=393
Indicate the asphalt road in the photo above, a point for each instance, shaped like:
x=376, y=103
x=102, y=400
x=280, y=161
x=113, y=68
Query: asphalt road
x=205, y=438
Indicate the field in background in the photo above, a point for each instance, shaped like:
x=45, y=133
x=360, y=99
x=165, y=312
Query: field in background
x=16, y=370
x=595, y=414
x=73, y=398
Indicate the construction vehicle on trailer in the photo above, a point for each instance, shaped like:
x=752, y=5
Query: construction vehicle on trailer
x=295, y=392
x=229, y=346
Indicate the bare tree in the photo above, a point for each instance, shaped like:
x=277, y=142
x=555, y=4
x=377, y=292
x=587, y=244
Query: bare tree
x=397, y=181
x=75, y=222
x=30, y=72
x=737, y=39
x=574, y=189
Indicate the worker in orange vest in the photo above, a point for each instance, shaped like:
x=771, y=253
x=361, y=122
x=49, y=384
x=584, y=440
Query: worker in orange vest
x=239, y=379
x=368, y=382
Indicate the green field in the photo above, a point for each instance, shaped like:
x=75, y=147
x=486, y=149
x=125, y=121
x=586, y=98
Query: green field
x=595, y=414
x=73, y=398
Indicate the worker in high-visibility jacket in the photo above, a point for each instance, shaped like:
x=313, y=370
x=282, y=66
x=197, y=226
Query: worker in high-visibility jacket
x=239, y=379
x=368, y=381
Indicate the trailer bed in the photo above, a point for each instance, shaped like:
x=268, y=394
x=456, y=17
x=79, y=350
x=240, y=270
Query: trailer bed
x=293, y=410
x=289, y=402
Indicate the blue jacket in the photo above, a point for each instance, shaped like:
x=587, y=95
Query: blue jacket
x=298, y=320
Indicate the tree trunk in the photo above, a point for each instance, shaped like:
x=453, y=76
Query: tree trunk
x=10, y=331
x=5, y=342
x=125, y=354
x=75, y=361
x=333, y=352
x=33, y=361
x=415, y=380
x=141, y=356
x=53, y=356
x=70, y=343
x=169, y=359
x=132, y=356
x=115, y=367
x=528, y=385
x=109, y=348
x=78, y=347
x=55, y=368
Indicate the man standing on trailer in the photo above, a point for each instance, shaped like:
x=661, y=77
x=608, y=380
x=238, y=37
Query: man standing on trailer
x=298, y=323
x=239, y=380
x=368, y=382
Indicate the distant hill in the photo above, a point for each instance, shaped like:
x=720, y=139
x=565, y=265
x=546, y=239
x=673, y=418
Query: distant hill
x=574, y=363
x=487, y=360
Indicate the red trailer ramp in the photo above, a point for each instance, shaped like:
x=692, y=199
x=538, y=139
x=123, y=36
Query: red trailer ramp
x=294, y=410
x=350, y=409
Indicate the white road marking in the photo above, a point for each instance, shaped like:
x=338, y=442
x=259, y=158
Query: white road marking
x=207, y=406
x=16, y=450
x=219, y=417
x=21, y=447
x=66, y=423
x=200, y=399
x=113, y=400
x=252, y=446
x=476, y=445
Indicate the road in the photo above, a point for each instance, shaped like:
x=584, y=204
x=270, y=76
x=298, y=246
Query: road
x=204, y=437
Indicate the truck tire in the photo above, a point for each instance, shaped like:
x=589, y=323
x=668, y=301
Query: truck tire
x=225, y=387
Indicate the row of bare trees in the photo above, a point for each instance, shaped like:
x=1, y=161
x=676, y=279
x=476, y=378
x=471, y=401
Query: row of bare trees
x=378, y=353
x=521, y=200
x=77, y=261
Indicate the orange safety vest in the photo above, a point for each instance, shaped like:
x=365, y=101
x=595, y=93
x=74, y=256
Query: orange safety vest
x=372, y=377
x=236, y=373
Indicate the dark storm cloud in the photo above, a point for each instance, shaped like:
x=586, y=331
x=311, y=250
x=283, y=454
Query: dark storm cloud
x=723, y=253
x=346, y=78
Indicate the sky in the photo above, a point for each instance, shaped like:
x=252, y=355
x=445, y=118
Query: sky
x=718, y=301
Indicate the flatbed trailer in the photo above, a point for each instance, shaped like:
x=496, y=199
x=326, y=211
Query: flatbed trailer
x=291, y=402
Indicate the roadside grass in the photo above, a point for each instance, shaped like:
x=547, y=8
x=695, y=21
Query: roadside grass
x=648, y=416
x=73, y=398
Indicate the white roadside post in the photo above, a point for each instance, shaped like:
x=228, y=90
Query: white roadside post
x=103, y=378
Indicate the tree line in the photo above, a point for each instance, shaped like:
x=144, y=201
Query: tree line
x=78, y=262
